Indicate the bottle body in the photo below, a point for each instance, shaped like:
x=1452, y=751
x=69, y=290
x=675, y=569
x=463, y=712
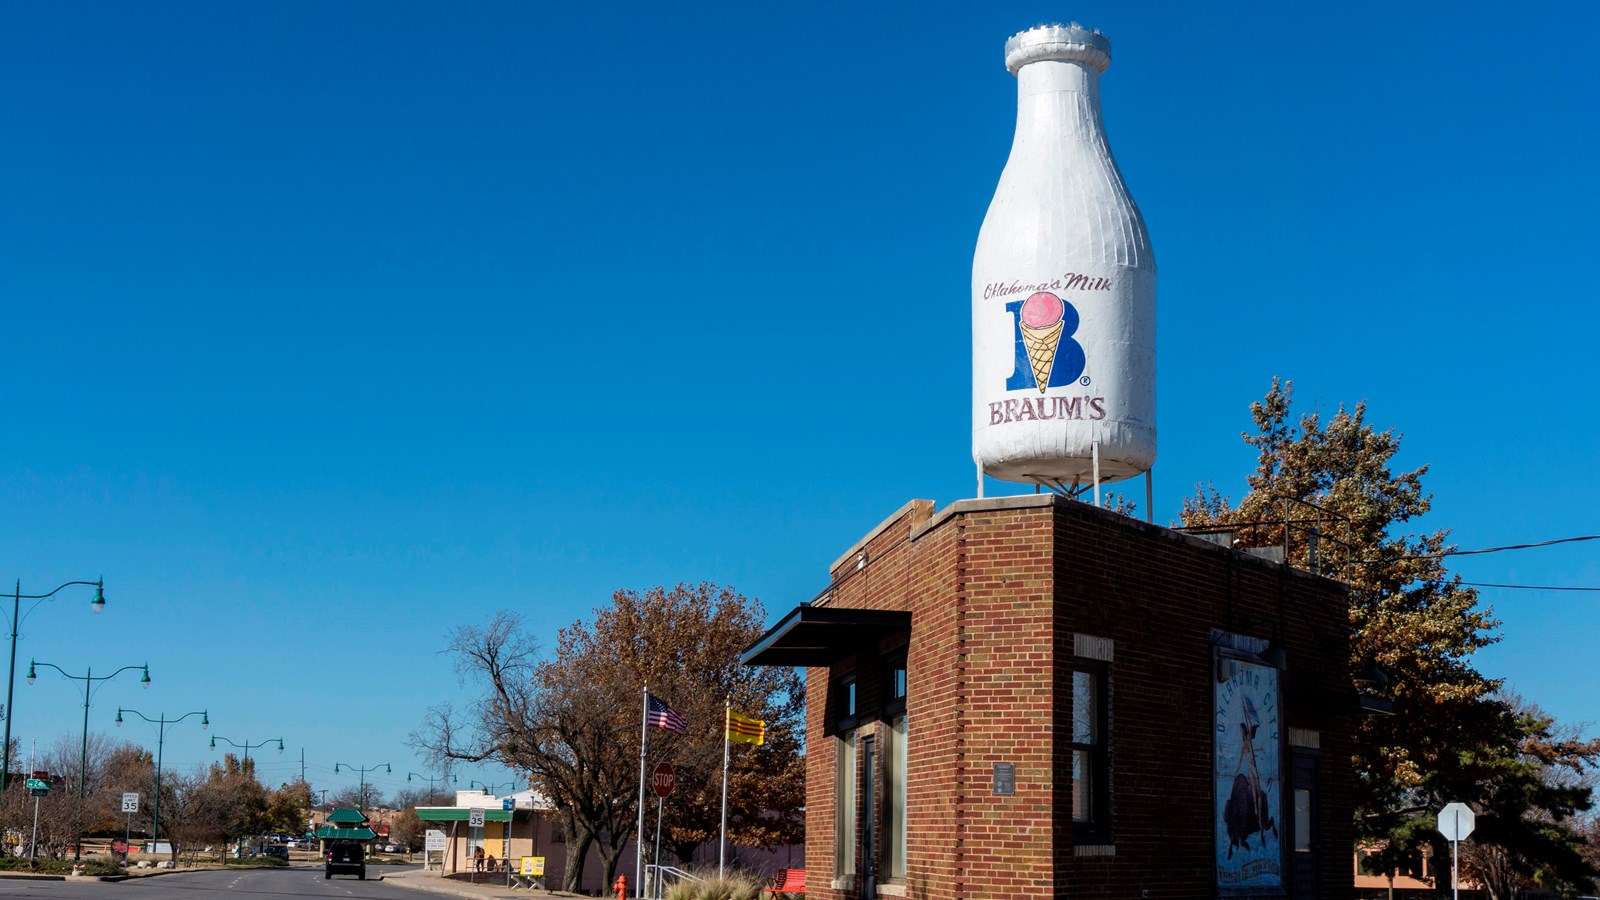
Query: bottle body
x=1063, y=286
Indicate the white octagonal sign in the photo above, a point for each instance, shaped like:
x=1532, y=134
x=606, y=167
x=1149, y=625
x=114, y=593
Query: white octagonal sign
x=1455, y=821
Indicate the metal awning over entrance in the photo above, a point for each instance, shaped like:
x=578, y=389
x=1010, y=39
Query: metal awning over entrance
x=819, y=635
x=462, y=814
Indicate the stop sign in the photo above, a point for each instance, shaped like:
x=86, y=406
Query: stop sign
x=661, y=779
x=1456, y=821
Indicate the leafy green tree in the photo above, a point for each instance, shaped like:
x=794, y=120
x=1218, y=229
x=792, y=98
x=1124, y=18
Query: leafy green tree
x=1449, y=737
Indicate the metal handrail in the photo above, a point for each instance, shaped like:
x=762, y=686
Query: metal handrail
x=1318, y=550
x=657, y=883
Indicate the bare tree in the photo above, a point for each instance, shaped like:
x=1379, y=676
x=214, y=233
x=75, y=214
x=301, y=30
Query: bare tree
x=356, y=796
x=193, y=812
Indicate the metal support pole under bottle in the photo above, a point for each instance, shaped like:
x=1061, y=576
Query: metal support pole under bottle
x=1094, y=452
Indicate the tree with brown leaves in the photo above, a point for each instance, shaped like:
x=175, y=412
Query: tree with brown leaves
x=1450, y=737
x=571, y=721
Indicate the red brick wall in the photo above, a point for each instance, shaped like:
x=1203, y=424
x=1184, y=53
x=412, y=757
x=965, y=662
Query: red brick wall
x=997, y=591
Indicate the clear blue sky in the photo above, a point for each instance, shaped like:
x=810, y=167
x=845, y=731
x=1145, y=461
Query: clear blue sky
x=328, y=327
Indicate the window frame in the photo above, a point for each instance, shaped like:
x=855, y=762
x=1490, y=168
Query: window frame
x=894, y=839
x=846, y=803
x=896, y=683
x=1097, y=828
x=848, y=700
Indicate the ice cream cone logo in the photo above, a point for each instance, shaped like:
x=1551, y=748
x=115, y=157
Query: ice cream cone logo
x=1047, y=355
x=1041, y=324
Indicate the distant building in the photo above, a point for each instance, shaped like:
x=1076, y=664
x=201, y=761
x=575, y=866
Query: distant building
x=532, y=829
x=511, y=833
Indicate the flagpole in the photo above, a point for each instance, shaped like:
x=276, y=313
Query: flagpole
x=722, y=835
x=638, y=837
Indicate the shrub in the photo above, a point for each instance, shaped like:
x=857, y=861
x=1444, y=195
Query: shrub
x=258, y=862
x=102, y=867
x=58, y=866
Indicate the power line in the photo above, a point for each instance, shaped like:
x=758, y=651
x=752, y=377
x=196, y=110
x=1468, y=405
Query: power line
x=1527, y=587
x=1569, y=540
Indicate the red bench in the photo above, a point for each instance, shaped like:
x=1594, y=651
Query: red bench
x=788, y=881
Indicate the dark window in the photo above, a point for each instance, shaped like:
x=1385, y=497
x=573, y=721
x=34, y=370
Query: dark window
x=1091, y=758
x=894, y=686
x=845, y=704
x=1304, y=862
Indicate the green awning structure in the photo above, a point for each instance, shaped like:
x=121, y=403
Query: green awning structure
x=346, y=824
x=460, y=814
x=335, y=833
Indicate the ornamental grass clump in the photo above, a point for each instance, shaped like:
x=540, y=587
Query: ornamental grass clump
x=731, y=886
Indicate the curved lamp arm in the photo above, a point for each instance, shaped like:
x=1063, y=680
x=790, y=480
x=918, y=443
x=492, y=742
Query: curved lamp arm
x=98, y=604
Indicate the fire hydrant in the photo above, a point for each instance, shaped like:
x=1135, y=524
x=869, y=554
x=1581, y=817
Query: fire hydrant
x=621, y=887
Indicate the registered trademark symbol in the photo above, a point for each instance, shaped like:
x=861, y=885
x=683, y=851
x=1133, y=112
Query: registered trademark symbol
x=1084, y=381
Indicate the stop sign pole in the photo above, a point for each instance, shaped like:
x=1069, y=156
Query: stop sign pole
x=661, y=780
x=1455, y=823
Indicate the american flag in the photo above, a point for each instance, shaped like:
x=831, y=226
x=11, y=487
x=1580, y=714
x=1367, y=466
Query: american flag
x=663, y=716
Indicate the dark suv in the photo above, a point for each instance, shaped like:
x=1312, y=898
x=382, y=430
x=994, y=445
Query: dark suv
x=346, y=858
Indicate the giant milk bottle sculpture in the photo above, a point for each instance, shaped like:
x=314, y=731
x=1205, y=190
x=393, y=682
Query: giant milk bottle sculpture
x=1063, y=286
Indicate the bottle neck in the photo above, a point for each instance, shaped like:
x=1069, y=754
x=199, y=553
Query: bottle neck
x=1058, y=94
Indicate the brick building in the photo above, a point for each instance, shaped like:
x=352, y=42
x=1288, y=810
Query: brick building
x=1032, y=697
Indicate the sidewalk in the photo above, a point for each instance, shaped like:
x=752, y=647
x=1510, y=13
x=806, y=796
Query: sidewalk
x=416, y=879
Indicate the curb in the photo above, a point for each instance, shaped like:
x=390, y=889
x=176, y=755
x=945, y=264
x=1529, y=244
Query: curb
x=476, y=892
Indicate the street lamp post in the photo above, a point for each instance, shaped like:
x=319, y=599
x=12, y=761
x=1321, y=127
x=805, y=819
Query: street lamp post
x=98, y=604
x=430, y=779
x=88, y=678
x=491, y=789
x=161, y=740
x=247, y=746
x=363, y=770
x=244, y=764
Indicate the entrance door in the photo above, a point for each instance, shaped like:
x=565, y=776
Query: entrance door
x=869, y=818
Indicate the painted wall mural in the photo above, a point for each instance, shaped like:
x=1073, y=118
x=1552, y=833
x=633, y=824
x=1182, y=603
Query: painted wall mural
x=1248, y=778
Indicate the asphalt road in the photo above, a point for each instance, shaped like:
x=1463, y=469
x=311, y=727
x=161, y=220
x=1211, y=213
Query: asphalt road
x=268, y=884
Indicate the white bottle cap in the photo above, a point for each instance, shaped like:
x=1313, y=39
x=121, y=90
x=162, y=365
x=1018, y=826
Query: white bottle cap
x=1073, y=43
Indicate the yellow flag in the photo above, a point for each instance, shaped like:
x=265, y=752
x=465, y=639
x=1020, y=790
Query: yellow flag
x=746, y=729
